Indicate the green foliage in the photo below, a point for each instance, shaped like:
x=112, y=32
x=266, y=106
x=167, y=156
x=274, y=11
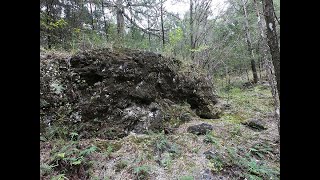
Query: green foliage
x=161, y=142
x=200, y=48
x=235, y=131
x=58, y=24
x=209, y=138
x=59, y=177
x=107, y=147
x=246, y=103
x=253, y=169
x=57, y=87
x=166, y=160
x=174, y=150
x=216, y=164
x=142, y=172
x=88, y=151
x=219, y=37
x=46, y=169
x=109, y=151
x=56, y=131
x=42, y=138
x=260, y=150
x=67, y=157
x=74, y=135
x=121, y=165
x=175, y=36
x=165, y=151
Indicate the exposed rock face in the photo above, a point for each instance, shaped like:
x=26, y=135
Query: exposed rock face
x=110, y=93
x=200, y=129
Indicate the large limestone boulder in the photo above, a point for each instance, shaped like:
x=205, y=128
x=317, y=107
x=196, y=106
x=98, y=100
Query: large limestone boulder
x=109, y=93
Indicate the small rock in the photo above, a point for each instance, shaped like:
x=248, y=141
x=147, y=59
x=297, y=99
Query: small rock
x=255, y=124
x=200, y=129
x=209, y=154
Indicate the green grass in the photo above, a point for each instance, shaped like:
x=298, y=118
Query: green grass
x=246, y=103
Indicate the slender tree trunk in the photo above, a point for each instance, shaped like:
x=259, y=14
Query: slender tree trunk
x=149, y=36
x=269, y=66
x=247, y=73
x=275, y=15
x=133, y=30
x=274, y=91
x=241, y=73
x=120, y=19
x=192, y=45
x=92, y=18
x=258, y=49
x=227, y=75
x=250, y=49
x=162, y=26
x=263, y=44
x=260, y=68
x=48, y=30
x=273, y=43
x=106, y=27
x=254, y=70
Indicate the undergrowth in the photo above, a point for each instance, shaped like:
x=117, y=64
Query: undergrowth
x=245, y=103
x=69, y=156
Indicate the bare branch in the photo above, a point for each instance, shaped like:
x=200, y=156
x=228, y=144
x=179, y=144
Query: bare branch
x=276, y=18
x=141, y=28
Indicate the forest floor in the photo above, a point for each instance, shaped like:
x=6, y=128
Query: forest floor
x=231, y=151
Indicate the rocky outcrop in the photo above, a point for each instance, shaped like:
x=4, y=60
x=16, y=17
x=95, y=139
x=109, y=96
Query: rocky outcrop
x=109, y=93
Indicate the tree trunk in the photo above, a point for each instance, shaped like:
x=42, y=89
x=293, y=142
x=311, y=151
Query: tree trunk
x=269, y=66
x=48, y=30
x=247, y=73
x=260, y=68
x=149, y=36
x=250, y=49
x=273, y=43
x=106, y=27
x=162, y=27
x=263, y=45
x=227, y=75
x=92, y=18
x=120, y=19
x=192, y=45
x=254, y=71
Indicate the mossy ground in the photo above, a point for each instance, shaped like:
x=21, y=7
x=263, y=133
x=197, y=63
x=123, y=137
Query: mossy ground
x=239, y=152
